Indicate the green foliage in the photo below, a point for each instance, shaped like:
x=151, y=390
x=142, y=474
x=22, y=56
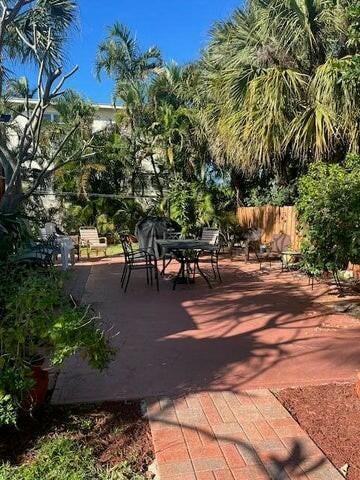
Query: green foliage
x=62, y=458
x=279, y=81
x=120, y=56
x=354, y=24
x=13, y=232
x=195, y=205
x=329, y=212
x=15, y=379
x=35, y=313
x=274, y=194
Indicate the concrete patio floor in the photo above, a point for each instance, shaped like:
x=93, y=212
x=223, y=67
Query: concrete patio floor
x=255, y=330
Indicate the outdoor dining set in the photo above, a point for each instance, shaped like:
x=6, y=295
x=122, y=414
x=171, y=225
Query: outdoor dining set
x=190, y=253
x=156, y=244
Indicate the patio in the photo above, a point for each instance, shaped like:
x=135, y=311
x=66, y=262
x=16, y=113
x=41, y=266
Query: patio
x=256, y=330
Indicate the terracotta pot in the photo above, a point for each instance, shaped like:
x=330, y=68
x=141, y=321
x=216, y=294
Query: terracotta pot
x=37, y=395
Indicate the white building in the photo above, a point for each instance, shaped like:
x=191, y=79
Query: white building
x=104, y=113
x=104, y=117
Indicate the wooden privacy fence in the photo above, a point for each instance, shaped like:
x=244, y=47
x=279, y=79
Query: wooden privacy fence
x=271, y=220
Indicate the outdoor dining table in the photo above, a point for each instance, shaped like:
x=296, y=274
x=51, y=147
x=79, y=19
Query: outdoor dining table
x=186, y=252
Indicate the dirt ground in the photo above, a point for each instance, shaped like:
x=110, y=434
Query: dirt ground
x=115, y=431
x=331, y=416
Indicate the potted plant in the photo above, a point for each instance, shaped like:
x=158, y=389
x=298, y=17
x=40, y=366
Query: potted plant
x=38, y=321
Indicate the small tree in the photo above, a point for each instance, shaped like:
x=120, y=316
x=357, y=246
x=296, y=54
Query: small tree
x=329, y=212
x=25, y=164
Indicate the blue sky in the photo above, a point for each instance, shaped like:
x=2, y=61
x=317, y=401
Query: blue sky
x=178, y=27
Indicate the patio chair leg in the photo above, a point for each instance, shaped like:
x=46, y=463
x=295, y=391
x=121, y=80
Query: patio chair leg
x=203, y=275
x=156, y=278
x=147, y=275
x=218, y=271
x=150, y=273
x=127, y=281
x=123, y=275
x=213, y=269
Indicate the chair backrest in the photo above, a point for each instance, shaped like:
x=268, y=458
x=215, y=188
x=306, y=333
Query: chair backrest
x=254, y=234
x=126, y=243
x=210, y=235
x=50, y=228
x=88, y=235
x=43, y=234
x=280, y=242
x=171, y=235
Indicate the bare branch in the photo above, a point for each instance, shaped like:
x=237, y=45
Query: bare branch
x=26, y=41
x=61, y=83
x=47, y=171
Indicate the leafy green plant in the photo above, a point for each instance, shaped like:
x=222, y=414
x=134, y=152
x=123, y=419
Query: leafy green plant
x=36, y=314
x=329, y=213
x=15, y=379
x=197, y=204
x=13, y=232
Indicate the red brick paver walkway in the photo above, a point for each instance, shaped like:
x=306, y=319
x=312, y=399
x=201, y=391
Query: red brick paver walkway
x=228, y=436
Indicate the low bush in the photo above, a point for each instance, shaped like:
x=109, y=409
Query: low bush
x=329, y=213
x=37, y=317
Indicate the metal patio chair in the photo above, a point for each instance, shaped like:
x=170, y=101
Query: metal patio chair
x=168, y=257
x=211, y=254
x=137, y=259
x=278, y=244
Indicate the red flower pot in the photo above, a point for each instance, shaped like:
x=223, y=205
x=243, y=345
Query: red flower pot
x=37, y=395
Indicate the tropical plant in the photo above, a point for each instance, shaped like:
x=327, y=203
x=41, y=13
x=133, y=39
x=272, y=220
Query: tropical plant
x=329, y=213
x=275, y=86
x=14, y=232
x=196, y=204
x=36, y=315
x=119, y=55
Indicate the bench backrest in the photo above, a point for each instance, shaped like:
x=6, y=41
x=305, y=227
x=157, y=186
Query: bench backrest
x=89, y=235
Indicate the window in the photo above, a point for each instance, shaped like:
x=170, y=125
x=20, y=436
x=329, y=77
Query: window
x=51, y=117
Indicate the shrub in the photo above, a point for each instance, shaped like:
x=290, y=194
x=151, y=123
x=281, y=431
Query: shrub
x=36, y=315
x=329, y=213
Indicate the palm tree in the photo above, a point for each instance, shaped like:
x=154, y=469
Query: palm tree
x=275, y=84
x=120, y=57
x=170, y=131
